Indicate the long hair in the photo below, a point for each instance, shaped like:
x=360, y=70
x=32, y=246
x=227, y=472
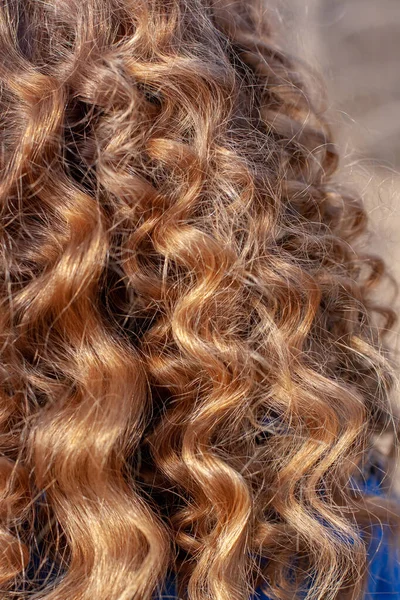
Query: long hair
x=193, y=366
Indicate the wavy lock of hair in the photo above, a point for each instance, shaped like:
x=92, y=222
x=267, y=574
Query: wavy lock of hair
x=192, y=359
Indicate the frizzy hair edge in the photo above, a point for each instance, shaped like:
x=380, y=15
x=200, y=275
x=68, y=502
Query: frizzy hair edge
x=192, y=357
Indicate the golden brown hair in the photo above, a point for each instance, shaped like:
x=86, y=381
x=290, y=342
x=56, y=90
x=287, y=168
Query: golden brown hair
x=192, y=358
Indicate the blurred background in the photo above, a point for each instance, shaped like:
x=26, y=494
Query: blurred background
x=355, y=45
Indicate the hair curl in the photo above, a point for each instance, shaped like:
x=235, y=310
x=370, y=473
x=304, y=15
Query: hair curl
x=192, y=364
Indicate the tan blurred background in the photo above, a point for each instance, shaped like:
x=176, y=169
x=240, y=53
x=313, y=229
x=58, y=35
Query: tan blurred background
x=355, y=44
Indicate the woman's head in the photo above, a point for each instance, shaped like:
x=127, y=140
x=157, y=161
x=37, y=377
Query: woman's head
x=192, y=359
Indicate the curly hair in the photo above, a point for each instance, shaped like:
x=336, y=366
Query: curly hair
x=193, y=367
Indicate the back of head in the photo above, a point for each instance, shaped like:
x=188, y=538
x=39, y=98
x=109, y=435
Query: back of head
x=193, y=365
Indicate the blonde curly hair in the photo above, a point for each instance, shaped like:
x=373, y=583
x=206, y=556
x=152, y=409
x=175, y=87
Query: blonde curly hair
x=192, y=357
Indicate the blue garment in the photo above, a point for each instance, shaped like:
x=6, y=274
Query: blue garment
x=383, y=560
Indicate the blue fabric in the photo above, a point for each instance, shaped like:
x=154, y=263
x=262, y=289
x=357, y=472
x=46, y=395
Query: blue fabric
x=383, y=560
